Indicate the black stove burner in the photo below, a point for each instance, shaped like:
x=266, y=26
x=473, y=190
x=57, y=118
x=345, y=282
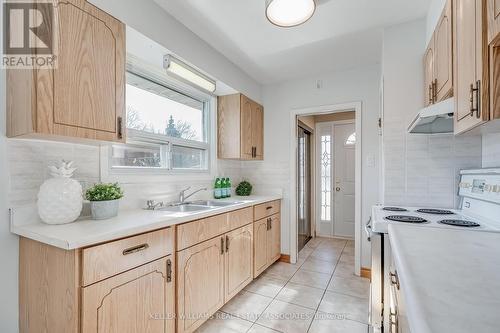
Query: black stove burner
x=395, y=209
x=406, y=219
x=435, y=211
x=460, y=223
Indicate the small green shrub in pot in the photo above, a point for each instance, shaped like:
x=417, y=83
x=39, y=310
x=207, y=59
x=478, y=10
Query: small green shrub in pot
x=244, y=188
x=104, y=200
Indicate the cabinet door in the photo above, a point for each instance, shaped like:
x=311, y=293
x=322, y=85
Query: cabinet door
x=258, y=130
x=443, y=55
x=84, y=95
x=238, y=261
x=429, y=73
x=274, y=239
x=260, y=246
x=468, y=68
x=493, y=20
x=135, y=301
x=246, y=128
x=200, y=283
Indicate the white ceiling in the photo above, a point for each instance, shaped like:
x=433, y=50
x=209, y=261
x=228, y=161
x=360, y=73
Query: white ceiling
x=342, y=34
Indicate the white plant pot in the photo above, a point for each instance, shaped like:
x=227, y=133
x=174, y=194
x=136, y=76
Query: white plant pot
x=102, y=210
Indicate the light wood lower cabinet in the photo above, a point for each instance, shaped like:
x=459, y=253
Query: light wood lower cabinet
x=210, y=274
x=139, y=300
x=267, y=244
x=200, y=283
x=239, y=260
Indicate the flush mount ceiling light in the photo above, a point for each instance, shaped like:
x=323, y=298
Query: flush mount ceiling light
x=289, y=13
x=188, y=74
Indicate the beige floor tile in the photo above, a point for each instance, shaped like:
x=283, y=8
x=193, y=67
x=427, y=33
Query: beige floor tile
x=286, y=317
x=311, y=279
x=298, y=294
x=320, y=266
x=344, y=269
x=266, y=286
x=329, y=255
x=306, y=251
x=261, y=329
x=281, y=270
x=348, y=250
x=313, y=243
x=353, y=308
x=354, y=286
x=347, y=258
x=247, y=305
x=225, y=323
x=324, y=323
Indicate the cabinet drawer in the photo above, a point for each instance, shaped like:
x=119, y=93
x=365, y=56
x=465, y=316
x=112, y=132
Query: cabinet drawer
x=102, y=261
x=195, y=232
x=240, y=218
x=266, y=209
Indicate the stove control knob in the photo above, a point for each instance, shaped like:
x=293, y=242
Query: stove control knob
x=488, y=188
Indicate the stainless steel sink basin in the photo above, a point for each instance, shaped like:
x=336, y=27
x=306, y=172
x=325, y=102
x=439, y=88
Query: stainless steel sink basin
x=187, y=208
x=213, y=203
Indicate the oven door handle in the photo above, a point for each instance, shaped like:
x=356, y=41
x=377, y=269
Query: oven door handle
x=368, y=229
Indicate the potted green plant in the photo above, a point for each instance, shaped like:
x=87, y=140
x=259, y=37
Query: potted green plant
x=104, y=199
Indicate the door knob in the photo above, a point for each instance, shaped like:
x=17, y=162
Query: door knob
x=337, y=189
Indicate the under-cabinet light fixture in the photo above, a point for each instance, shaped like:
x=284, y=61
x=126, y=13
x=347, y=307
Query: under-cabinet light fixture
x=187, y=73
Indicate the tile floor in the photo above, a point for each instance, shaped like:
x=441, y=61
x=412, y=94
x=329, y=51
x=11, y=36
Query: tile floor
x=318, y=294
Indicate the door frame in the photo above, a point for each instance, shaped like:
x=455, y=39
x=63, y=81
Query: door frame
x=317, y=181
x=317, y=110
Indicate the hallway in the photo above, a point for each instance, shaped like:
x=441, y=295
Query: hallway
x=318, y=294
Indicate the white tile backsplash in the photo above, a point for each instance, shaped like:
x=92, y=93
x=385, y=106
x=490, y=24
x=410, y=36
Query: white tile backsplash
x=491, y=150
x=423, y=170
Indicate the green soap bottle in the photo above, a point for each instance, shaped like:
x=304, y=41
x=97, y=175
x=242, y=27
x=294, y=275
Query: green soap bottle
x=218, y=189
x=228, y=187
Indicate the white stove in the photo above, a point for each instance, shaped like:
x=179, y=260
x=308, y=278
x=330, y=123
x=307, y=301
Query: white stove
x=479, y=210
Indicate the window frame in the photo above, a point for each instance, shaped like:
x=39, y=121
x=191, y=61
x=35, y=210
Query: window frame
x=137, y=138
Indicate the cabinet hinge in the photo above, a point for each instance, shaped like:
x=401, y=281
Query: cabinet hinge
x=379, y=122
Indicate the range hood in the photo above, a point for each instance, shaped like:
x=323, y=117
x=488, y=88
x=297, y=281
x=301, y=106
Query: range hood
x=434, y=119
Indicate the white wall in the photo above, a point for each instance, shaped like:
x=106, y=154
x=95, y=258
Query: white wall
x=361, y=84
x=419, y=170
x=152, y=21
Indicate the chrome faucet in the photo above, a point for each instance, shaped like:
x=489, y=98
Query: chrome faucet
x=152, y=205
x=183, y=196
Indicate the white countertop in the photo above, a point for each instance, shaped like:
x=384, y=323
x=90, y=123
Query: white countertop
x=450, y=279
x=83, y=233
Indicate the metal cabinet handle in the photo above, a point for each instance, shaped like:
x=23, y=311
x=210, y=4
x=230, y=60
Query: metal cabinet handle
x=477, y=92
x=431, y=99
x=394, y=279
x=368, y=229
x=434, y=90
x=222, y=245
x=169, y=270
x=227, y=243
x=135, y=249
x=119, y=126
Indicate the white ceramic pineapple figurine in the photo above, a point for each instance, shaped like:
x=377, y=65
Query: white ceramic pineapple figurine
x=60, y=198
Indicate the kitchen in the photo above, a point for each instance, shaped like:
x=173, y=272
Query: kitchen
x=402, y=67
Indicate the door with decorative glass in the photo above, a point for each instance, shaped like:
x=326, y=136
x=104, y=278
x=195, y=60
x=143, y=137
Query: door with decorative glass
x=335, y=153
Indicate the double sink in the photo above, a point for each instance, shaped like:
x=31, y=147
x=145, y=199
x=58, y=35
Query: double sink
x=197, y=206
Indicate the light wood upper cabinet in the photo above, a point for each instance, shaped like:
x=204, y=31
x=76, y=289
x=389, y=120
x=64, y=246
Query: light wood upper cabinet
x=429, y=73
x=240, y=128
x=471, y=82
x=443, y=45
x=139, y=300
x=438, y=60
x=200, y=283
x=84, y=95
x=239, y=260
